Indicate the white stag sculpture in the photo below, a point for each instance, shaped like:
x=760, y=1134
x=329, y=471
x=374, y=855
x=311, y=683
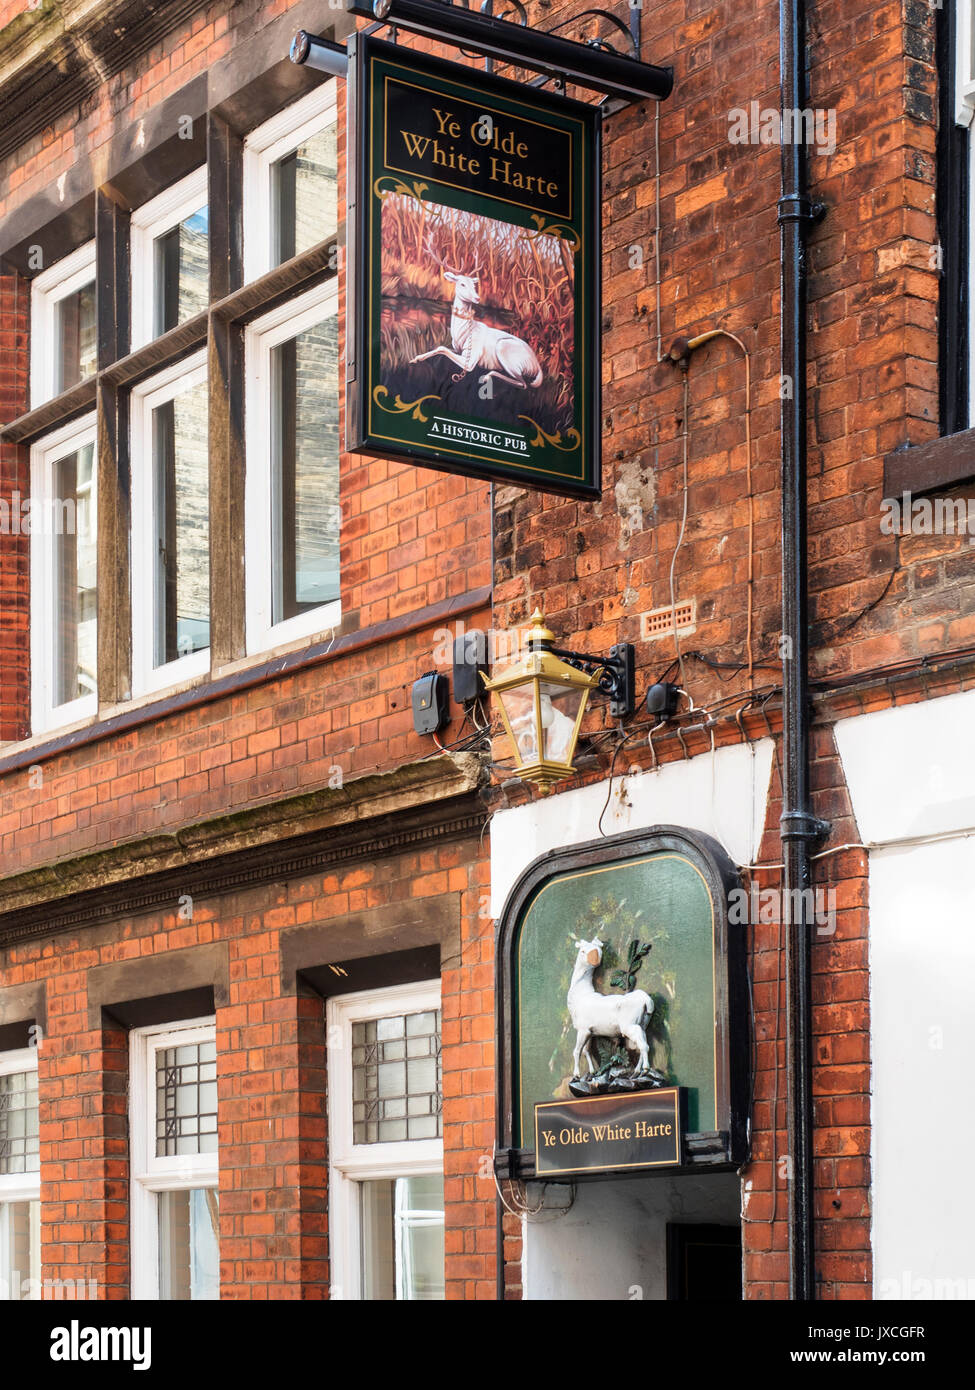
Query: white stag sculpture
x=476, y=344
x=605, y=1015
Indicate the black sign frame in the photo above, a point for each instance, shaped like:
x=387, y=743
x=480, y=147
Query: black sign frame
x=500, y=442
x=727, y=1147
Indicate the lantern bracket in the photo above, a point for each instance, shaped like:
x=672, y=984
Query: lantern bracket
x=615, y=674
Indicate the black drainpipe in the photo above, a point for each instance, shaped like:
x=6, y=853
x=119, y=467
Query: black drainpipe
x=798, y=826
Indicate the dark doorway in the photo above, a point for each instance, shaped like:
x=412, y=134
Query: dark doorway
x=703, y=1263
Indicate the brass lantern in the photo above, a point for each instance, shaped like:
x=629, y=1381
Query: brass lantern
x=542, y=700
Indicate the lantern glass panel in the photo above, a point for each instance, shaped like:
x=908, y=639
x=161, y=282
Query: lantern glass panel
x=560, y=707
x=519, y=709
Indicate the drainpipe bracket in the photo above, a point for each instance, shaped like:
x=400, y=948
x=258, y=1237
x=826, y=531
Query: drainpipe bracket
x=800, y=825
x=796, y=207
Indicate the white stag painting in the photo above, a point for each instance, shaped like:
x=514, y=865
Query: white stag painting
x=478, y=313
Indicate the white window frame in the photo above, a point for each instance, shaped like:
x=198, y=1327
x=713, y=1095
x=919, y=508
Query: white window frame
x=19, y=1187
x=47, y=290
x=45, y=715
x=151, y=1174
x=351, y=1163
x=261, y=337
x=159, y=389
x=160, y=215
x=264, y=147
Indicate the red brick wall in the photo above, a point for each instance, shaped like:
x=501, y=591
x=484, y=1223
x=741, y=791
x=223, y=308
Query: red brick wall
x=271, y=1082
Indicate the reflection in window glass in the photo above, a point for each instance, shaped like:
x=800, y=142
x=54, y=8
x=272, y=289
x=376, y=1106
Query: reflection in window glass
x=72, y=522
x=181, y=274
x=305, y=471
x=75, y=337
x=303, y=195
x=402, y=1238
x=181, y=482
x=189, y=1251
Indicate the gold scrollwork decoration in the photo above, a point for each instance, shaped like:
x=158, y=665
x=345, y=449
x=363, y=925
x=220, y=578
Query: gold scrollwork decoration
x=542, y=438
x=558, y=229
x=400, y=407
x=407, y=190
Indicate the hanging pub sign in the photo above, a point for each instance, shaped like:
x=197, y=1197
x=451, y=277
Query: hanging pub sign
x=474, y=207
x=622, y=1011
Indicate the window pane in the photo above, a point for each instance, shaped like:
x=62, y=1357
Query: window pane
x=75, y=337
x=181, y=272
x=72, y=522
x=182, y=570
x=395, y=1099
x=20, y=1250
x=19, y=1147
x=305, y=473
x=186, y=1101
x=303, y=195
x=402, y=1238
x=189, y=1251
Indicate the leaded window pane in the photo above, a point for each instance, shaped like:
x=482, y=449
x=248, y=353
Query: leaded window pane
x=396, y=1096
x=19, y=1143
x=186, y=1099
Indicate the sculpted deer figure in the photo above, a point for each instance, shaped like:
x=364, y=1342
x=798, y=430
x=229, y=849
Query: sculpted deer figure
x=475, y=344
x=604, y=1015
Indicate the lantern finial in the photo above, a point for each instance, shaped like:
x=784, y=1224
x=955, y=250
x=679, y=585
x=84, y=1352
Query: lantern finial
x=539, y=634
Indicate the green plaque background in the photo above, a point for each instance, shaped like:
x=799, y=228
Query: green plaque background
x=663, y=899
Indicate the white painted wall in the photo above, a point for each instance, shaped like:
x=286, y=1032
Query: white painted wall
x=723, y=794
x=614, y=1238
x=612, y=1243
x=909, y=771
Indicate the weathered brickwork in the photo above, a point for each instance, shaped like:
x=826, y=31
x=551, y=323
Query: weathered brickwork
x=413, y=540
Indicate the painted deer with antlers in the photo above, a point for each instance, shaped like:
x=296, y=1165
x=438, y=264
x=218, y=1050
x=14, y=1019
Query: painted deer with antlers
x=475, y=344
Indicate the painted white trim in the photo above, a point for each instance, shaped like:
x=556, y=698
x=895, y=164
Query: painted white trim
x=262, y=148
x=964, y=74
x=350, y=1163
x=724, y=794
x=145, y=398
x=152, y=220
x=260, y=338
x=19, y=1187
x=907, y=769
x=45, y=715
x=47, y=289
x=151, y=1174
